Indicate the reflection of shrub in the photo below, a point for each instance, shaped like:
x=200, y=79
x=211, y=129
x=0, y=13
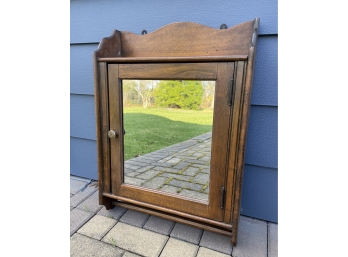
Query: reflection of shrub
x=179, y=94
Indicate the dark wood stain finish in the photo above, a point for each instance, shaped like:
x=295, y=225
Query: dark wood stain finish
x=180, y=50
x=207, y=71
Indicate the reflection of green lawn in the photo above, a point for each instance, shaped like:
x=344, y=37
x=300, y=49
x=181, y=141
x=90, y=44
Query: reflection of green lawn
x=150, y=129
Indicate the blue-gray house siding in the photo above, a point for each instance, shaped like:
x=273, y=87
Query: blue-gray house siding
x=92, y=20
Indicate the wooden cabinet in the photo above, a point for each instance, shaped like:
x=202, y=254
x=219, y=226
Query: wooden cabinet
x=178, y=52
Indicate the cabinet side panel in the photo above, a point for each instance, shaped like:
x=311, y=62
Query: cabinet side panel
x=246, y=97
x=97, y=106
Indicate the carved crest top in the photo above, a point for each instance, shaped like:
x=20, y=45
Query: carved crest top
x=181, y=39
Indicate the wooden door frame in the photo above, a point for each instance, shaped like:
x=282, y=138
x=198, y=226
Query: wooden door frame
x=222, y=73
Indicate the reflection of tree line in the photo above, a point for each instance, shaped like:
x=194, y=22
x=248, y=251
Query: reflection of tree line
x=169, y=93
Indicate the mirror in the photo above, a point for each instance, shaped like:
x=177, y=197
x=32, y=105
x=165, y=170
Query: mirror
x=168, y=129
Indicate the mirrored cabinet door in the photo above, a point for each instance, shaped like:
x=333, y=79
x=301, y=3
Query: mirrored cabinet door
x=169, y=148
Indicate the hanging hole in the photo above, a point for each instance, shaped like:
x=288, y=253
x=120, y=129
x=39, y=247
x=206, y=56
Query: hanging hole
x=144, y=32
x=223, y=26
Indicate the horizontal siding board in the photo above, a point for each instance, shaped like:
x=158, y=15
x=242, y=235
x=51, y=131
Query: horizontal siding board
x=83, y=158
x=262, y=138
x=82, y=117
x=81, y=69
x=260, y=193
x=91, y=20
x=265, y=82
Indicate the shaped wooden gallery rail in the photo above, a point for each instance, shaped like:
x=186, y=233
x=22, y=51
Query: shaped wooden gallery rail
x=182, y=41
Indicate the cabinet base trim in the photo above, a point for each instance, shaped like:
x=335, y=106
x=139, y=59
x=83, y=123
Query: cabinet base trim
x=168, y=212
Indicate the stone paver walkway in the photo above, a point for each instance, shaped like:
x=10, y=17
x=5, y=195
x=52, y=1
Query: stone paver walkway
x=94, y=231
x=183, y=168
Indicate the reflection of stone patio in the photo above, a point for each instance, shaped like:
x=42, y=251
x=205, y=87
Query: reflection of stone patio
x=182, y=168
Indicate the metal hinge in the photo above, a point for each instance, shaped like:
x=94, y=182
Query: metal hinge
x=222, y=199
